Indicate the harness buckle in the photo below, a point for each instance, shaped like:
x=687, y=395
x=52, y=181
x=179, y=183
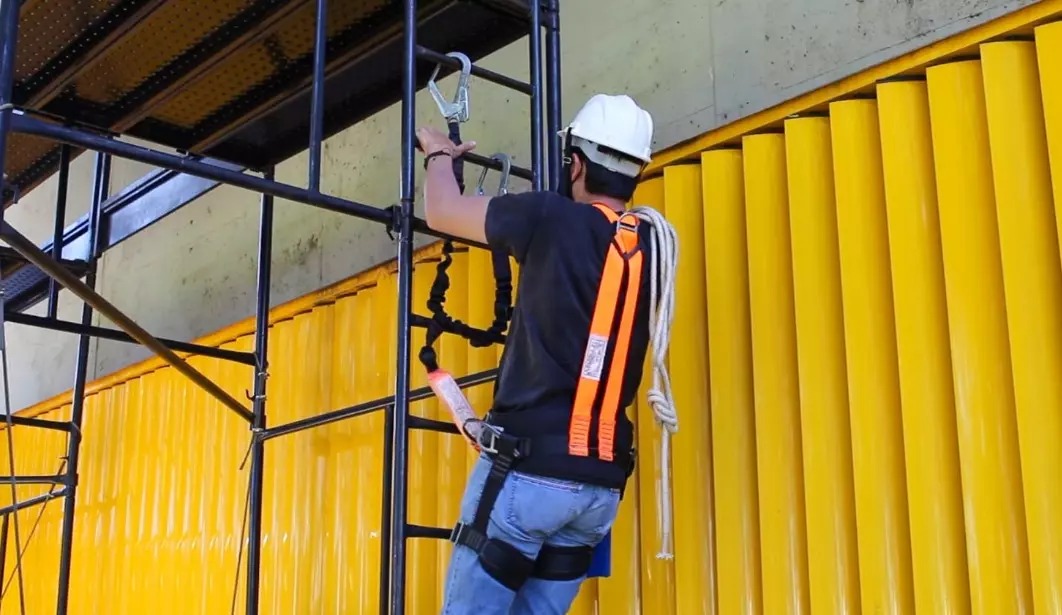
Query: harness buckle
x=460, y=535
x=495, y=432
x=629, y=226
x=503, y=183
x=456, y=110
x=628, y=240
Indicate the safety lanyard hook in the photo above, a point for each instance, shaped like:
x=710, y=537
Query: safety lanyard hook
x=457, y=110
x=503, y=183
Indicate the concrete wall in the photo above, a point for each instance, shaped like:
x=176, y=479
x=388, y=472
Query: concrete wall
x=695, y=64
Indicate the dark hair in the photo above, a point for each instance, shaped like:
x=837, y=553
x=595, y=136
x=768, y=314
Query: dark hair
x=600, y=180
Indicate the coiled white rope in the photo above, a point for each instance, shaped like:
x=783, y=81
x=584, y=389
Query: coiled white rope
x=663, y=248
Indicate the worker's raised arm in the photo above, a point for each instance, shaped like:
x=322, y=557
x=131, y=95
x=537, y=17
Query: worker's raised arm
x=445, y=209
x=507, y=223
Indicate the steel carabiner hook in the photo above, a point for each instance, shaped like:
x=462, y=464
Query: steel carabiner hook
x=457, y=110
x=503, y=183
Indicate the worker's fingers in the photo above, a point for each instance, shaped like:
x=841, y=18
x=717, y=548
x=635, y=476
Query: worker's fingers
x=424, y=133
x=465, y=147
x=427, y=133
x=432, y=139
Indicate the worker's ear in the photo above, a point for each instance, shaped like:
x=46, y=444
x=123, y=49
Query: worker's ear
x=577, y=168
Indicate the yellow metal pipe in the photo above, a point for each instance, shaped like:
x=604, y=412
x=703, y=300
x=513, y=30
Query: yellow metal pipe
x=310, y=336
x=99, y=492
x=657, y=575
x=189, y=460
x=733, y=420
x=1049, y=50
x=137, y=479
x=934, y=489
x=694, y=535
x=278, y=509
x=1033, y=283
x=170, y=528
x=224, y=499
x=353, y=499
x=357, y=318
x=374, y=382
x=620, y=593
x=984, y=395
x=832, y=562
x=783, y=533
x=585, y=602
x=884, y=538
x=315, y=331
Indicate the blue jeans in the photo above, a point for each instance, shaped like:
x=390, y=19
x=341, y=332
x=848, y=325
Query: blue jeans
x=530, y=511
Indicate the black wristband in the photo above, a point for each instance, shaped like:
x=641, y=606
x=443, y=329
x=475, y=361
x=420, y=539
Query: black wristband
x=428, y=158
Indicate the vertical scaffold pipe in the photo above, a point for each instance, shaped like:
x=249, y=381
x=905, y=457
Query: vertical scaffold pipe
x=258, y=409
x=400, y=434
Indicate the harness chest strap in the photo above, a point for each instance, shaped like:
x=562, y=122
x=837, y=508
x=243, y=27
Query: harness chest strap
x=623, y=260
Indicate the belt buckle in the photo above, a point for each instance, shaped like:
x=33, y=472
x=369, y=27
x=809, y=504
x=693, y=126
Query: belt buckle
x=495, y=432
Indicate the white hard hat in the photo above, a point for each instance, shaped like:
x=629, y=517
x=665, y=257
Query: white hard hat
x=614, y=122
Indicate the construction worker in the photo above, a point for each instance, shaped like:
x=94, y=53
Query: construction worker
x=557, y=446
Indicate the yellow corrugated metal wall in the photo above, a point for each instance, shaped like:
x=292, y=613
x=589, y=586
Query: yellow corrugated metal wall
x=866, y=363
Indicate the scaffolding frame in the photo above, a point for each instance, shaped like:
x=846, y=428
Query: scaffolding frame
x=545, y=103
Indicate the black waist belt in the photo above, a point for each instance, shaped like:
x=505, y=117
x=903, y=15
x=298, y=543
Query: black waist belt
x=502, y=561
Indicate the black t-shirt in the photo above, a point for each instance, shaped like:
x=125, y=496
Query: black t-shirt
x=561, y=246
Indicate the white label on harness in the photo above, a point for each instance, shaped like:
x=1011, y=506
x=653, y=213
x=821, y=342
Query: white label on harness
x=594, y=359
x=444, y=385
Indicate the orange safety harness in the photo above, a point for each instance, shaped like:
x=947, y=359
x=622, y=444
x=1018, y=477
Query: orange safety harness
x=618, y=291
x=621, y=275
x=623, y=261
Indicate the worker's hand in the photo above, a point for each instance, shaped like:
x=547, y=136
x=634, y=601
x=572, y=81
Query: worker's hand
x=433, y=140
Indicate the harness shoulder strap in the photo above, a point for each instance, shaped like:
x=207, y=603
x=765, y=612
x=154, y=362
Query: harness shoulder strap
x=623, y=261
